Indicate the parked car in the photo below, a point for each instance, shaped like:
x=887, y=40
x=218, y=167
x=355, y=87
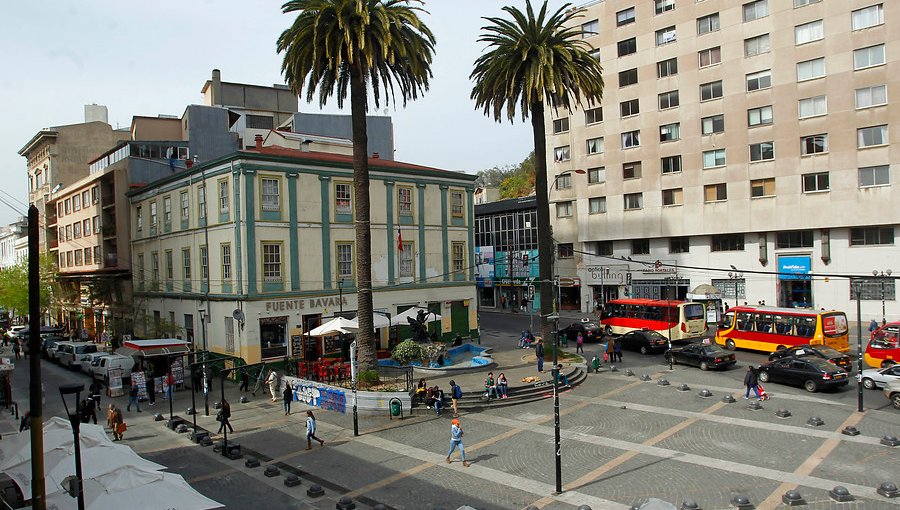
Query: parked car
x=47, y=341
x=827, y=353
x=892, y=392
x=590, y=331
x=53, y=349
x=100, y=368
x=13, y=331
x=88, y=359
x=72, y=352
x=810, y=373
x=701, y=355
x=643, y=340
x=879, y=377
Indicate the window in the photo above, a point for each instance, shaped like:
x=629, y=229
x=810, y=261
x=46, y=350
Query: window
x=866, y=236
x=872, y=176
x=271, y=262
x=625, y=17
x=561, y=125
x=756, y=45
x=201, y=202
x=69, y=260
x=626, y=47
x=260, y=122
x=271, y=197
x=640, y=246
x=662, y=6
x=595, y=145
x=667, y=68
x=634, y=201
x=141, y=269
x=95, y=195
x=679, y=245
x=458, y=255
x=871, y=136
x=404, y=201
x=707, y=24
x=671, y=164
x=759, y=80
x=813, y=144
x=762, y=188
x=631, y=139
x=153, y=216
x=78, y=258
x=565, y=250
x=342, y=200
x=595, y=54
x=795, y=239
x=223, y=196
x=76, y=230
x=759, y=116
x=670, y=132
x=710, y=56
x=68, y=204
x=665, y=35
x=86, y=226
x=711, y=90
x=186, y=263
x=668, y=100
x=813, y=106
x=170, y=266
x=184, y=206
x=564, y=181
x=628, y=77
x=406, y=260
x=631, y=170
x=809, y=32
x=590, y=28
x=593, y=115
x=728, y=242
x=672, y=196
x=715, y=192
x=597, y=205
x=871, y=96
x=562, y=154
x=756, y=10
x=456, y=204
x=167, y=212
x=154, y=261
x=596, y=175
x=815, y=182
x=96, y=255
x=76, y=203
x=563, y=209
x=868, y=57
x=714, y=124
x=811, y=69
x=225, y=252
x=68, y=232
x=713, y=158
x=867, y=17
x=803, y=3
x=762, y=151
x=630, y=107
x=603, y=248
x=96, y=221
x=204, y=263
x=140, y=219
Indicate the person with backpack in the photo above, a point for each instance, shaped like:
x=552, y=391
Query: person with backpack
x=455, y=395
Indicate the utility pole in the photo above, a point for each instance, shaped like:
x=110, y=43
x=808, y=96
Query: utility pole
x=38, y=493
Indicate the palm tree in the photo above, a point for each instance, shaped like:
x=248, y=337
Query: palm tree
x=336, y=45
x=532, y=61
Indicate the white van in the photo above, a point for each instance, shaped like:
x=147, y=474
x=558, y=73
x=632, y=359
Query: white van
x=88, y=359
x=69, y=354
x=100, y=367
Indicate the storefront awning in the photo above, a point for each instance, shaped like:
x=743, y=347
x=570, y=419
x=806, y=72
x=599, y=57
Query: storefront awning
x=152, y=348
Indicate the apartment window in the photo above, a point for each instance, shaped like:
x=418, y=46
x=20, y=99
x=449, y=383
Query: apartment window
x=815, y=182
x=565, y=250
x=671, y=164
x=563, y=209
x=667, y=67
x=679, y=245
x=86, y=226
x=170, y=266
x=595, y=54
x=597, y=205
x=728, y=242
x=204, y=263
x=271, y=196
x=665, y=36
x=633, y=201
x=631, y=170
x=710, y=56
x=76, y=203
x=662, y=6
x=223, y=196
x=630, y=107
x=714, y=158
x=154, y=267
x=867, y=17
x=564, y=181
x=78, y=258
x=96, y=221
x=668, y=100
x=868, y=57
x=869, y=236
x=715, y=192
x=225, y=252
x=813, y=106
x=711, y=90
x=795, y=239
x=406, y=260
x=670, y=132
x=140, y=219
x=458, y=256
x=167, y=212
x=874, y=176
x=68, y=205
x=867, y=97
x=803, y=3
x=95, y=195
x=762, y=188
x=404, y=201
x=756, y=10
x=763, y=151
x=342, y=198
x=184, y=206
x=759, y=116
x=593, y=115
x=186, y=263
x=713, y=124
x=628, y=77
x=603, y=248
x=640, y=246
x=76, y=230
x=562, y=154
x=141, y=270
x=596, y=175
x=756, y=45
x=811, y=69
x=674, y=196
x=271, y=262
x=625, y=17
x=59, y=210
x=813, y=144
x=456, y=203
x=631, y=139
x=96, y=255
x=260, y=122
x=153, y=216
x=201, y=202
x=68, y=232
x=561, y=125
x=759, y=80
x=809, y=32
x=871, y=136
x=69, y=260
x=626, y=47
x=595, y=145
x=707, y=24
x=590, y=28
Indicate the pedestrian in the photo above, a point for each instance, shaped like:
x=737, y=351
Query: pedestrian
x=873, y=326
x=456, y=441
x=458, y=340
x=617, y=351
x=223, y=416
x=25, y=422
x=197, y=379
x=595, y=364
x=539, y=354
x=455, y=395
x=751, y=379
x=133, y=398
x=115, y=421
x=84, y=415
x=503, y=302
x=502, y=386
x=151, y=389
x=288, y=396
x=272, y=381
x=16, y=349
x=90, y=411
x=170, y=385
x=245, y=381
x=311, y=430
x=94, y=390
x=524, y=303
x=579, y=343
x=610, y=350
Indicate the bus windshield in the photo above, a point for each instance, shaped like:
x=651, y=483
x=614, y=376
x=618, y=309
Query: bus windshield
x=694, y=311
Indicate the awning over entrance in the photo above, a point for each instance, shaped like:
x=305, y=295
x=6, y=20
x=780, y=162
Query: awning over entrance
x=155, y=347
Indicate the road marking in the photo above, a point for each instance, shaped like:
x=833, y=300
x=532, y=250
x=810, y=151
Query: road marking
x=389, y=480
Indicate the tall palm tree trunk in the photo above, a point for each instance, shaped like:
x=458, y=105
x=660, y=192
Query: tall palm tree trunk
x=545, y=235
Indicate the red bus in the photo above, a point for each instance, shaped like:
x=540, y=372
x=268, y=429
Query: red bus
x=767, y=329
x=884, y=346
x=683, y=320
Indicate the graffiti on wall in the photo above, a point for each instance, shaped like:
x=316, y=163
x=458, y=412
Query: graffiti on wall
x=323, y=397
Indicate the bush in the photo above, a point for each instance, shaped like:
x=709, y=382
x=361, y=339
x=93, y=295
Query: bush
x=407, y=351
x=368, y=377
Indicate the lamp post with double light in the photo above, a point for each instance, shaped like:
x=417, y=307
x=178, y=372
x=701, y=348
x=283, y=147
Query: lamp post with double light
x=882, y=275
x=735, y=277
x=75, y=420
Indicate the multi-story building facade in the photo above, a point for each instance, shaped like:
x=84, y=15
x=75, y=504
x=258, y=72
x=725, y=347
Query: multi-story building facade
x=743, y=144
x=269, y=250
x=8, y=237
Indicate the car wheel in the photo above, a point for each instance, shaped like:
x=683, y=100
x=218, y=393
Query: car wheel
x=868, y=384
x=644, y=349
x=895, y=399
x=729, y=344
x=763, y=377
x=608, y=330
x=704, y=366
x=811, y=386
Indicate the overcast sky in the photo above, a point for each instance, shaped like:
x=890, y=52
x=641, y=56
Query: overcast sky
x=150, y=58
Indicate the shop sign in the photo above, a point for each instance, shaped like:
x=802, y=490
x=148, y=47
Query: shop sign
x=606, y=275
x=513, y=281
x=272, y=321
x=287, y=305
x=794, y=268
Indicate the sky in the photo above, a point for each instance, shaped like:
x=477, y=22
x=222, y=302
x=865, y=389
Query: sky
x=150, y=58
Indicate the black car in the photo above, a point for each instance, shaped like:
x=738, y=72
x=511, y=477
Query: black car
x=705, y=356
x=827, y=353
x=813, y=374
x=590, y=331
x=643, y=340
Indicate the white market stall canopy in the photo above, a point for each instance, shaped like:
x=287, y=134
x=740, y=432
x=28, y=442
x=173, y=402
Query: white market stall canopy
x=402, y=319
x=335, y=326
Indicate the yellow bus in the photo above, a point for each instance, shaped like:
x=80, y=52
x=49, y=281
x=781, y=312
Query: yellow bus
x=767, y=329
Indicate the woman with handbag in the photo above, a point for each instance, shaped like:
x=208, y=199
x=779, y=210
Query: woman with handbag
x=311, y=430
x=223, y=416
x=116, y=422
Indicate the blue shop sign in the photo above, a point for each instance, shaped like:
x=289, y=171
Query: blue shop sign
x=794, y=268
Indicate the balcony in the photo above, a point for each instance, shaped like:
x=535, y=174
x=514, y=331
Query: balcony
x=108, y=230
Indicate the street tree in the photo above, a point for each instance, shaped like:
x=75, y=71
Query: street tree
x=14, y=286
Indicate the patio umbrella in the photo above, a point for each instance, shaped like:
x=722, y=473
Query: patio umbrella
x=16, y=449
x=335, y=326
x=380, y=321
x=401, y=319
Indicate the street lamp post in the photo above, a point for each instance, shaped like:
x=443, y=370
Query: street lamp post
x=206, y=381
x=882, y=275
x=353, y=384
x=859, y=351
x=735, y=276
x=74, y=419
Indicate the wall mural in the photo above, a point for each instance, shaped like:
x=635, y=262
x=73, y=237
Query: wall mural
x=323, y=397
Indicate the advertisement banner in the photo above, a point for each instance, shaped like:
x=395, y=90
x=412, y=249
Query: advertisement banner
x=794, y=268
x=484, y=266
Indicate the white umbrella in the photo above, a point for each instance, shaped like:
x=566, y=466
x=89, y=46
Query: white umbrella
x=16, y=449
x=335, y=326
x=380, y=321
x=401, y=319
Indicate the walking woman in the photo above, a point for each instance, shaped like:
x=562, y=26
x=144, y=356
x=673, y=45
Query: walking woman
x=223, y=416
x=311, y=430
x=456, y=441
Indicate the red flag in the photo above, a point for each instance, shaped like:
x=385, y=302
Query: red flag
x=399, y=239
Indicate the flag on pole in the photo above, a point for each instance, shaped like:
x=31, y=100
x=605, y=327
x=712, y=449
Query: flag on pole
x=399, y=239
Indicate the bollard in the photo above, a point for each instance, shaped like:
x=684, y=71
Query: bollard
x=840, y=494
x=783, y=413
x=292, y=480
x=850, y=430
x=158, y=417
x=315, y=490
x=754, y=406
x=690, y=504
x=345, y=503
x=889, y=440
x=645, y=377
x=684, y=387
x=792, y=498
x=705, y=393
x=244, y=399
x=729, y=399
x=815, y=421
x=217, y=405
x=272, y=471
x=742, y=502
x=888, y=490
x=629, y=372
x=251, y=462
x=662, y=382
x=190, y=411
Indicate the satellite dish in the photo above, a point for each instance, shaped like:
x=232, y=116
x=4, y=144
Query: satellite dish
x=238, y=315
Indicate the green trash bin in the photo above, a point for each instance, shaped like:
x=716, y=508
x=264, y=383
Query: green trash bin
x=395, y=407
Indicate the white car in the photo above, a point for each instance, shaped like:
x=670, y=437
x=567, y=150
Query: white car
x=880, y=377
x=11, y=332
x=86, y=361
x=892, y=392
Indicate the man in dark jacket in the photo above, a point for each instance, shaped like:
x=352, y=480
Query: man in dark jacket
x=751, y=379
x=539, y=353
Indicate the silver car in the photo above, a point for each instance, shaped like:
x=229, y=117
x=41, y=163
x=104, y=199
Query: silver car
x=892, y=392
x=880, y=377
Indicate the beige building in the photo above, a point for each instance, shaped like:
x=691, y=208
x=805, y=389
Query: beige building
x=754, y=135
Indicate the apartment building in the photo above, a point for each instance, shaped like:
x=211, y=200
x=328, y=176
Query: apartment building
x=745, y=145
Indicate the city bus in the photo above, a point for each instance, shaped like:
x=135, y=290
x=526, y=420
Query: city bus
x=768, y=329
x=682, y=320
x=884, y=346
